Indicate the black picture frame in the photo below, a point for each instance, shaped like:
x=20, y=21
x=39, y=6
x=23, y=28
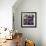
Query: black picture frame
x=28, y=19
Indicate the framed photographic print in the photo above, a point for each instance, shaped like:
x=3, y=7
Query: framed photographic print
x=28, y=19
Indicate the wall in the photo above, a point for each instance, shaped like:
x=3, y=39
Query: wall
x=28, y=6
x=6, y=13
x=43, y=22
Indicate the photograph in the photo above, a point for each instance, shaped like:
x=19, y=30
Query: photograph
x=28, y=19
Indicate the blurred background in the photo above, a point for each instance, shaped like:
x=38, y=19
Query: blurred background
x=8, y=8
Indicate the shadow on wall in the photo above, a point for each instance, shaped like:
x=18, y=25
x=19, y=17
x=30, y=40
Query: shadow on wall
x=15, y=6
